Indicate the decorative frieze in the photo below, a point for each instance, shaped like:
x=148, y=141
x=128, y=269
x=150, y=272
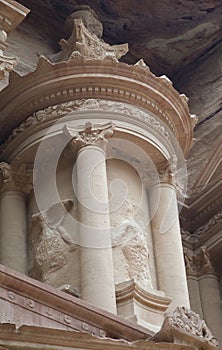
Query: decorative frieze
x=215, y=220
x=60, y=110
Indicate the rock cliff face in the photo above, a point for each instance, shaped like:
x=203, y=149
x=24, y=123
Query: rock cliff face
x=179, y=38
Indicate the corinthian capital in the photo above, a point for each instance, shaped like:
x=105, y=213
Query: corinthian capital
x=14, y=179
x=168, y=174
x=90, y=135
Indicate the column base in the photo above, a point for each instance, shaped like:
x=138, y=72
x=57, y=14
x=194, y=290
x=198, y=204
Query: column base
x=146, y=308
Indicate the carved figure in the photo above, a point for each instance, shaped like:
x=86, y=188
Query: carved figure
x=50, y=248
x=131, y=239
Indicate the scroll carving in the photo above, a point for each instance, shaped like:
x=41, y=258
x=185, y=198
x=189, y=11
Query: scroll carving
x=189, y=321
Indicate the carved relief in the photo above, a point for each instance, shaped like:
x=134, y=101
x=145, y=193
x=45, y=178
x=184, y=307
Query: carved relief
x=191, y=322
x=87, y=44
x=60, y=110
x=130, y=240
x=51, y=243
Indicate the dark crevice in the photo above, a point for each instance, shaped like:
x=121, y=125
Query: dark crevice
x=209, y=49
x=212, y=115
x=188, y=18
x=211, y=9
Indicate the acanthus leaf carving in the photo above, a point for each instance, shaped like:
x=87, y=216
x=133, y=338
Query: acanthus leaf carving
x=198, y=264
x=188, y=321
x=84, y=43
x=91, y=134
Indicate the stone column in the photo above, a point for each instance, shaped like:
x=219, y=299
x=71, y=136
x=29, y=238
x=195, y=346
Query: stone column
x=193, y=281
x=97, y=278
x=13, y=227
x=210, y=294
x=168, y=249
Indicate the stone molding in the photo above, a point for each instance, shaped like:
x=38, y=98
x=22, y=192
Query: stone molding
x=213, y=225
x=44, y=306
x=215, y=220
x=151, y=299
x=15, y=179
x=50, y=339
x=52, y=113
x=143, y=305
x=190, y=322
x=84, y=78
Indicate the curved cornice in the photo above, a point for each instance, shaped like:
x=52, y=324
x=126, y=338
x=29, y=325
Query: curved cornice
x=88, y=78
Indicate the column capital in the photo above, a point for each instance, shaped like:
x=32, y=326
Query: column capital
x=168, y=174
x=198, y=264
x=204, y=263
x=14, y=179
x=96, y=134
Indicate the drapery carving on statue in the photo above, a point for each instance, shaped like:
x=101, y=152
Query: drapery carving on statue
x=15, y=179
x=189, y=321
x=91, y=134
x=130, y=241
x=51, y=243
